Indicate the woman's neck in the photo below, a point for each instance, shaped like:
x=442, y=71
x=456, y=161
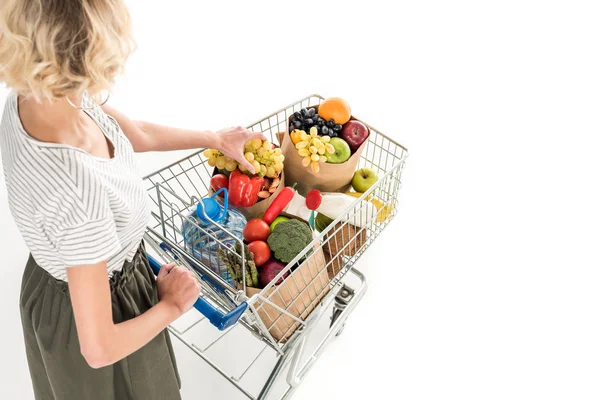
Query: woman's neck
x=55, y=122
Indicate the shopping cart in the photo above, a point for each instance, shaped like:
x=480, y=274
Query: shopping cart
x=279, y=319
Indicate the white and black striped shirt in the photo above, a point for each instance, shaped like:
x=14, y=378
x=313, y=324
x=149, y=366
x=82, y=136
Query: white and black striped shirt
x=73, y=208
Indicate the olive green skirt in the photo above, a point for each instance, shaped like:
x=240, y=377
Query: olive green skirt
x=59, y=371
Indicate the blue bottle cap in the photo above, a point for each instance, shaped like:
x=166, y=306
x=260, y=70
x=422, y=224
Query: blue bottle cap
x=212, y=209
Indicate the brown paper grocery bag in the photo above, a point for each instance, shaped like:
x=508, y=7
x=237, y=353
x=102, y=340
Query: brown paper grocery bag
x=330, y=178
x=260, y=206
x=342, y=240
x=298, y=294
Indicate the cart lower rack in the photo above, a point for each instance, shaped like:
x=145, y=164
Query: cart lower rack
x=280, y=329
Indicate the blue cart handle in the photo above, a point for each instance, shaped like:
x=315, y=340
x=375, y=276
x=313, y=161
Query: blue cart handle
x=216, y=317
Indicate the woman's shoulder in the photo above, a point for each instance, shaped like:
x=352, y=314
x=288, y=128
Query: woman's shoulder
x=10, y=141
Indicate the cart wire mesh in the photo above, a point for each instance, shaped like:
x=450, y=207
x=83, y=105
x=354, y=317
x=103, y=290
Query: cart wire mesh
x=276, y=311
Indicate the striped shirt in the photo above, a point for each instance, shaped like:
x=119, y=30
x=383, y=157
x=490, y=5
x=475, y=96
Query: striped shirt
x=73, y=208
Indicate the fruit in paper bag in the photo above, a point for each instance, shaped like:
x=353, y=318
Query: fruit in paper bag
x=218, y=182
x=261, y=252
x=335, y=108
x=363, y=179
x=295, y=136
x=354, y=133
x=219, y=160
x=341, y=152
x=307, y=118
x=256, y=229
x=383, y=211
x=266, y=159
x=277, y=220
x=314, y=149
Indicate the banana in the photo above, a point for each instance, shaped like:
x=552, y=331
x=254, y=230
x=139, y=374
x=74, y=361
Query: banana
x=383, y=211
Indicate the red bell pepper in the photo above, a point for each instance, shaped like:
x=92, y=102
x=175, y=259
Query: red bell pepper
x=243, y=190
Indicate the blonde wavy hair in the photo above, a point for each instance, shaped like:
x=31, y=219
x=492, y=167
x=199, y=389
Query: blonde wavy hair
x=51, y=49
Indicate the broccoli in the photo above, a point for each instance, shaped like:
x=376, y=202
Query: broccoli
x=288, y=239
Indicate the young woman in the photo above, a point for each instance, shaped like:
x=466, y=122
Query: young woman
x=93, y=315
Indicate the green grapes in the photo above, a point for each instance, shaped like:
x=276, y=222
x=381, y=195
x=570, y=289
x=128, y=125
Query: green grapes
x=266, y=160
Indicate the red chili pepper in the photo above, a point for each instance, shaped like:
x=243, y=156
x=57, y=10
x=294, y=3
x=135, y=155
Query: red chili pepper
x=243, y=190
x=277, y=206
x=313, y=199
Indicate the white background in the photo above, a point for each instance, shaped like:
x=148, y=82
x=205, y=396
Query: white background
x=486, y=286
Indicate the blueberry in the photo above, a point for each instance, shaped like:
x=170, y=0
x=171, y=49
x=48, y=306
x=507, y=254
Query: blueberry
x=304, y=111
x=297, y=123
x=311, y=112
x=309, y=121
x=325, y=130
x=337, y=127
x=331, y=123
x=297, y=114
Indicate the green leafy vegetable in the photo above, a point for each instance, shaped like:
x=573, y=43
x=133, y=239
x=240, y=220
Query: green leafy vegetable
x=288, y=239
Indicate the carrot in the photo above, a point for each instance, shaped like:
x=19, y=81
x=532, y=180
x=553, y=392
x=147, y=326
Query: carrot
x=277, y=206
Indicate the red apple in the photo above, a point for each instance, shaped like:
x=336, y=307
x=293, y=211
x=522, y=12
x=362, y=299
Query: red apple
x=354, y=133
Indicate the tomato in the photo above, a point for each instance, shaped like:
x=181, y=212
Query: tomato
x=261, y=251
x=256, y=229
x=219, y=181
x=313, y=199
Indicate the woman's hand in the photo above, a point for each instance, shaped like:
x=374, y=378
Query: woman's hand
x=231, y=141
x=178, y=287
x=102, y=341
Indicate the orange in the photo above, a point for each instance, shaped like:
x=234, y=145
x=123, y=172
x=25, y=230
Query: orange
x=295, y=136
x=336, y=108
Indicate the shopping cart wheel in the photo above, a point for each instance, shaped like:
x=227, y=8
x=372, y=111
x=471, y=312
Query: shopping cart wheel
x=342, y=299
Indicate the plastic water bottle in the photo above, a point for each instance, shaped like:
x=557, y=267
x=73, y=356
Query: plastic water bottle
x=202, y=237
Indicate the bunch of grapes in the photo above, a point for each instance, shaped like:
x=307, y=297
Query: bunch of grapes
x=306, y=118
x=219, y=160
x=313, y=148
x=266, y=160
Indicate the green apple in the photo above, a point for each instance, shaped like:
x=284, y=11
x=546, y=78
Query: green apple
x=363, y=179
x=278, y=220
x=342, y=151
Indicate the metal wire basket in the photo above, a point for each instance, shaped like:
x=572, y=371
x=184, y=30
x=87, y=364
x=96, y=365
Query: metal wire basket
x=279, y=316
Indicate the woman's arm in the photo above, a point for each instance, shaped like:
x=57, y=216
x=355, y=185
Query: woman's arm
x=147, y=136
x=102, y=341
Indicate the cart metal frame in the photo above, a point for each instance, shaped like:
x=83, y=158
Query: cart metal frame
x=176, y=188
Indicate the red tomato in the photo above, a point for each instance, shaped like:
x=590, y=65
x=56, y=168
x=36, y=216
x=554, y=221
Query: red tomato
x=256, y=229
x=261, y=251
x=219, y=181
x=313, y=199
